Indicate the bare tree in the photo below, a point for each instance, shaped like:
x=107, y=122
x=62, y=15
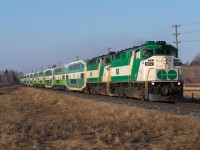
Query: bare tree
x=196, y=60
x=196, y=74
x=9, y=77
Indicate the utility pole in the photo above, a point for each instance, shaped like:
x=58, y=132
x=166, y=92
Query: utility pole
x=59, y=63
x=108, y=49
x=1, y=78
x=77, y=58
x=176, y=34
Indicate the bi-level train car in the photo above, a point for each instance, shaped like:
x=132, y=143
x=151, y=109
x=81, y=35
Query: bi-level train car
x=151, y=71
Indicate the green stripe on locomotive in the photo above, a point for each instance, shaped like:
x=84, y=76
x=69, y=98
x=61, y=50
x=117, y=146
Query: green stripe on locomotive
x=93, y=65
x=92, y=80
x=75, y=78
x=120, y=79
x=121, y=60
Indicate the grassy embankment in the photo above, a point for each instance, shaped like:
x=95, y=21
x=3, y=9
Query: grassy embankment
x=33, y=119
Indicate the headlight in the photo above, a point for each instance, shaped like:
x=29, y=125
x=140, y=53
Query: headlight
x=152, y=83
x=179, y=83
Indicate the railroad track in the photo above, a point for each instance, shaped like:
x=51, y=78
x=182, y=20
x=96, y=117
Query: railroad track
x=185, y=107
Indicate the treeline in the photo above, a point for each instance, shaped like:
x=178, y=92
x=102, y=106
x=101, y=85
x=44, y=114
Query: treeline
x=9, y=77
x=191, y=70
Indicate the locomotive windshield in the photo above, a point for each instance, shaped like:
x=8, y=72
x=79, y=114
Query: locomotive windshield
x=171, y=52
x=147, y=53
x=160, y=51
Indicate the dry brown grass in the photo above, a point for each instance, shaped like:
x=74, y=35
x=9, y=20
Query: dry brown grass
x=33, y=119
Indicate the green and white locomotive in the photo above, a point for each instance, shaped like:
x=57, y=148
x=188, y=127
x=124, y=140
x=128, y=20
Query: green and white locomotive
x=151, y=71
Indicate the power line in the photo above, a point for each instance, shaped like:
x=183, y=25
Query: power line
x=191, y=23
x=192, y=41
x=160, y=32
x=170, y=38
x=164, y=37
x=189, y=32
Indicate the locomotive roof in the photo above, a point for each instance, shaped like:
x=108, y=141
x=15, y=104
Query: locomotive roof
x=127, y=49
x=96, y=57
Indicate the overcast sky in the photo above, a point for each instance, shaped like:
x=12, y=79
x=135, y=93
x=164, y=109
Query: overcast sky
x=35, y=33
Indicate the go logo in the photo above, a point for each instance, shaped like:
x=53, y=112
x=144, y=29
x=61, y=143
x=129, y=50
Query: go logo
x=165, y=74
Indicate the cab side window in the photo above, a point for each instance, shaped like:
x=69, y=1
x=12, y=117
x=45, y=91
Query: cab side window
x=137, y=54
x=147, y=53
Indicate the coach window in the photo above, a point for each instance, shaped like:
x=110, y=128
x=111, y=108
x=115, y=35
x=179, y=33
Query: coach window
x=63, y=77
x=67, y=77
x=73, y=81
